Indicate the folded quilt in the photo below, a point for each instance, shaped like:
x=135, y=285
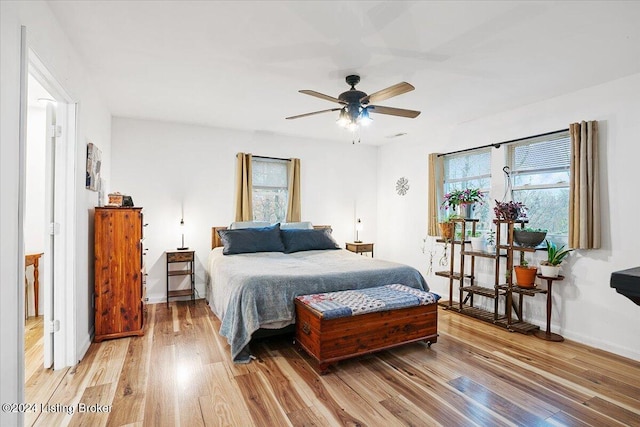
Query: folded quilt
x=361, y=301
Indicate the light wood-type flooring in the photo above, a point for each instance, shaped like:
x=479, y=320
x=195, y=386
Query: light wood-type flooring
x=180, y=374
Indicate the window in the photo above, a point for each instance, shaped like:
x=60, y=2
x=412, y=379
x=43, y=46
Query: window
x=540, y=172
x=471, y=170
x=270, y=189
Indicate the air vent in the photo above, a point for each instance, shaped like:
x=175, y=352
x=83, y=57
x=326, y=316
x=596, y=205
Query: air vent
x=397, y=135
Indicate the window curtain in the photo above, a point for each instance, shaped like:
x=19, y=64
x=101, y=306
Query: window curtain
x=293, y=205
x=584, y=187
x=244, y=188
x=436, y=166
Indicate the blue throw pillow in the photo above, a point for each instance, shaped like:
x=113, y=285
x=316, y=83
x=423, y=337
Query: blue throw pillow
x=296, y=240
x=251, y=240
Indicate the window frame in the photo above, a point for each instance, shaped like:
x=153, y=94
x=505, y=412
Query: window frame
x=255, y=187
x=451, y=182
x=510, y=160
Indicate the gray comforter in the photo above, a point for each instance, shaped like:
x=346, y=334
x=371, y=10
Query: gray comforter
x=252, y=291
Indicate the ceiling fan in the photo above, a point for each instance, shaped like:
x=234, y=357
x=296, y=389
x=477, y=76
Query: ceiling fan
x=355, y=103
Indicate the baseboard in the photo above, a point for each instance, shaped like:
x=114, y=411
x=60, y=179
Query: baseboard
x=84, y=347
x=601, y=345
x=579, y=338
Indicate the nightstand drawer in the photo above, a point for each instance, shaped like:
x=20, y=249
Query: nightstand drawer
x=365, y=247
x=360, y=248
x=179, y=256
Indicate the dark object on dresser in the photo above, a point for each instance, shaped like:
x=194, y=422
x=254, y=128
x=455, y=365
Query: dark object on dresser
x=627, y=283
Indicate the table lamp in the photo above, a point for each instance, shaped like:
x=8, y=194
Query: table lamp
x=358, y=229
x=183, y=247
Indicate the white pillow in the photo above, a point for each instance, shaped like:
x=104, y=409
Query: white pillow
x=306, y=225
x=248, y=224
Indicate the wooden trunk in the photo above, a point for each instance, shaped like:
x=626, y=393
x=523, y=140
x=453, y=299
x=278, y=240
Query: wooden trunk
x=331, y=340
x=119, y=284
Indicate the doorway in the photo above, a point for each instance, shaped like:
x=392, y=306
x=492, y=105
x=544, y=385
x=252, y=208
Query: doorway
x=36, y=240
x=57, y=227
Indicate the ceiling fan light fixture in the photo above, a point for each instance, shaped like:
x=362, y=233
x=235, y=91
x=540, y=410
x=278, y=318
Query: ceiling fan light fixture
x=354, y=104
x=365, y=120
x=343, y=118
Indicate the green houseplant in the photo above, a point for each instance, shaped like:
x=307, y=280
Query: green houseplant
x=555, y=256
x=491, y=241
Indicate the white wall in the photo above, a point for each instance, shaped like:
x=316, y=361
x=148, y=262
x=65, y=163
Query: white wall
x=165, y=165
x=47, y=39
x=586, y=308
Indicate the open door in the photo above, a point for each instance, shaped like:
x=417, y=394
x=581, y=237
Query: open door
x=50, y=227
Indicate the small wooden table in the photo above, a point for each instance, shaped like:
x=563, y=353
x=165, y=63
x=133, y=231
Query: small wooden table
x=548, y=335
x=181, y=256
x=34, y=259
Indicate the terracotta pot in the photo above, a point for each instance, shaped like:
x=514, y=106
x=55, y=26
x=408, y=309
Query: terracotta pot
x=525, y=276
x=446, y=230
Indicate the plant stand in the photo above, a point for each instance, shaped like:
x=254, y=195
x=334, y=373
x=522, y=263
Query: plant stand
x=548, y=335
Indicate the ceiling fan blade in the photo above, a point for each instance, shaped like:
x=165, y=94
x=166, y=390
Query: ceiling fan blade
x=315, y=112
x=321, y=95
x=412, y=114
x=391, y=91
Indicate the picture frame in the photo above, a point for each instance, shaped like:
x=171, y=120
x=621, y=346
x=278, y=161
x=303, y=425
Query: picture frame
x=94, y=163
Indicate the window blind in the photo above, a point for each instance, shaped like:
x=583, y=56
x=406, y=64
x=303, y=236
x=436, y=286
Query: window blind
x=543, y=153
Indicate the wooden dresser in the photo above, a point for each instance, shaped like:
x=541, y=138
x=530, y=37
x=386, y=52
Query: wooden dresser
x=119, y=275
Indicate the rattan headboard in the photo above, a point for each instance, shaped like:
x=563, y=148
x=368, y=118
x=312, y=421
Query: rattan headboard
x=216, y=242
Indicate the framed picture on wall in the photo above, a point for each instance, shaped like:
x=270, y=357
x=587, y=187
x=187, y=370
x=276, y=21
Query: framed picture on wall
x=94, y=161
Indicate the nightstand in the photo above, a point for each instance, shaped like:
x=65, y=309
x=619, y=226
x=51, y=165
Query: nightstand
x=186, y=258
x=360, y=248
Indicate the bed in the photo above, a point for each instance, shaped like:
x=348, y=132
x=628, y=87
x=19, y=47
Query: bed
x=252, y=291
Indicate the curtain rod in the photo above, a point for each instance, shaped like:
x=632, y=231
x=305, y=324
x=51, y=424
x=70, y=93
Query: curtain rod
x=272, y=158
x=498, y=144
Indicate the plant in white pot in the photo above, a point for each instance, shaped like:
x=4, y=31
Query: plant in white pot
x=477, y=241
x=555, y=256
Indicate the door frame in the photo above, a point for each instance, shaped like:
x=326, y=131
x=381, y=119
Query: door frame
x=64, y=275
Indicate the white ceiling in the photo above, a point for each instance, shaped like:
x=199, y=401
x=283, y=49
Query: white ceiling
x=240, y=64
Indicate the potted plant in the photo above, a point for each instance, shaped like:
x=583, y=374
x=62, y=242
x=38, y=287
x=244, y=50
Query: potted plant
x=555, y=256
x=463, y=200
x=529, y=237
x=446, y=227
x=525, y=274
x=510, y=210
x=477, y=241
x=491, y=241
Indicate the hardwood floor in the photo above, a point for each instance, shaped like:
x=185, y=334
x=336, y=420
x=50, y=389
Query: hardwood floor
x=180, y=373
